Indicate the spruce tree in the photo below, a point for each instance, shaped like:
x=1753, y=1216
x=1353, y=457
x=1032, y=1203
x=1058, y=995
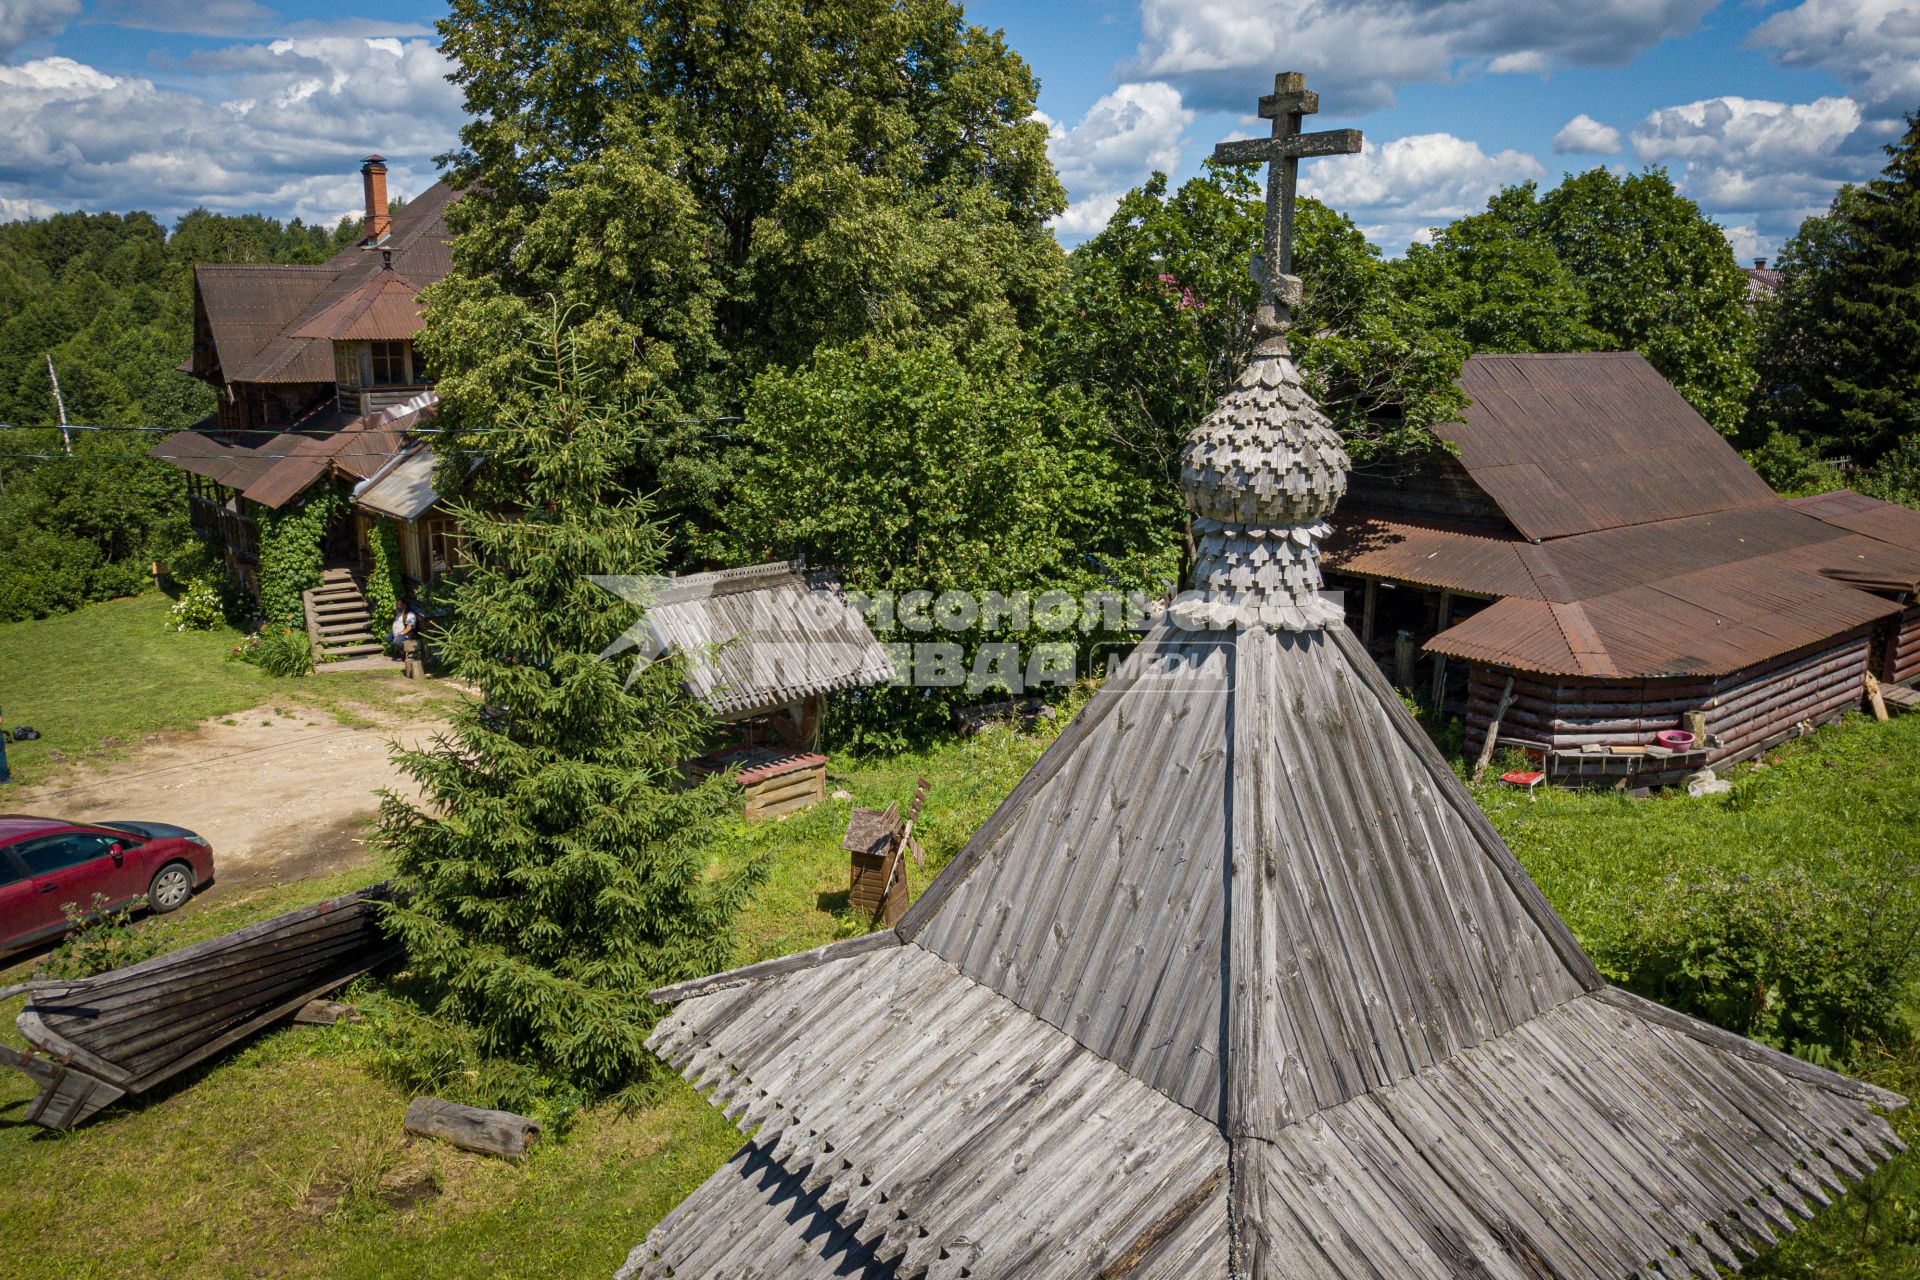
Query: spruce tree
x=556, y=867
x=1841, y=350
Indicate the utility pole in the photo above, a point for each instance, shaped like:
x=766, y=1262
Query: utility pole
x=65, y=438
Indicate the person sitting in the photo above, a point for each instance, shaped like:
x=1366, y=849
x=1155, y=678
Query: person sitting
x=406, y=626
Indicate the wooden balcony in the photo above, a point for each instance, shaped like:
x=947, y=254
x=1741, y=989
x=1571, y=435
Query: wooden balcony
x=361, y=401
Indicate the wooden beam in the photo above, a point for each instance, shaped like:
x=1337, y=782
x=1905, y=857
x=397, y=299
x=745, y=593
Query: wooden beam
x=1370, y=607
x=1493, y=731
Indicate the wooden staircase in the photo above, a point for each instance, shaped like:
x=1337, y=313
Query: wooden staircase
x=338, y=619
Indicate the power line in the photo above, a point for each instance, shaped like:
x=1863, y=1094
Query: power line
x=297, y=430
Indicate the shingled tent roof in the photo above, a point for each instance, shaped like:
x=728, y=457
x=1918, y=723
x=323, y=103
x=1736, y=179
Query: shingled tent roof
x=764, y=637
x=1238, y=982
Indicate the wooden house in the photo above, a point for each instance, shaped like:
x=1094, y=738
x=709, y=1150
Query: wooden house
x=764, y=647
x=1237, y=983
x=1595, y=542
x=321, y=388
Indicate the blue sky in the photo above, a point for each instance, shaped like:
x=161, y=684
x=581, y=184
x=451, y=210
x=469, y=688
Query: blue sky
x=1758, y=109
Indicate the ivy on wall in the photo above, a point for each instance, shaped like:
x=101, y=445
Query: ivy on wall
x=292, y=555
x=384, y=582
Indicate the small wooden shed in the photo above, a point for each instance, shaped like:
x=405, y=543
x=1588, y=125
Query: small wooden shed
x=765, y=646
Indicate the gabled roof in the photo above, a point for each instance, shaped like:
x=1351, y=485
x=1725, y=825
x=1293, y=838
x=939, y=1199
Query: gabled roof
x=1239, y=982
x=762, y=637
x=259, y=315
x=387, y=306
x=1569, y=444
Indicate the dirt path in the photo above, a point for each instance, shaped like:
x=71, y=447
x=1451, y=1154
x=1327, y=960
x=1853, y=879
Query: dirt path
x=283, y=792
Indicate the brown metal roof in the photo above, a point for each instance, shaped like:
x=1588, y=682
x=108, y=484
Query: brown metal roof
x=384, y=307
x=274, y=465
x=1857, y=513
x=1708, y=622
x=258, y=314
x=248, y=306
x=1382, y=548
x=1570, y=444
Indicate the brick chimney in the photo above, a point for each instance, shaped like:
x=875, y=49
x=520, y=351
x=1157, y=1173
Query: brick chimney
x=1759, y=264
x=373, y=175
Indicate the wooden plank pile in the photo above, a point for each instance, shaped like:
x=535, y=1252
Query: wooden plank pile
x=96, y=1040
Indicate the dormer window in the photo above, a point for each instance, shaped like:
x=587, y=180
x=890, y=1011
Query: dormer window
x=388, y=364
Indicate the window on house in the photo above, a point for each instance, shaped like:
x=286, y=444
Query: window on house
x=389, y=363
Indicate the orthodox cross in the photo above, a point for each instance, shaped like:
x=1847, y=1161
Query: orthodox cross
x=1282, y=153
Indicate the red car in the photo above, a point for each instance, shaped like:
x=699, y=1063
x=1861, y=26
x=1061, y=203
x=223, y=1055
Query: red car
x=46, y=864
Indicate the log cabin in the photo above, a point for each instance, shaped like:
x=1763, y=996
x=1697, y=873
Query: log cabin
x=321, y=387
x=1591, y=539
x=764, y=647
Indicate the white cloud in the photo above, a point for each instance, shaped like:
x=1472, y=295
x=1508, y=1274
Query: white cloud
x=1871, y=46
x=24, y=20
x=1396, y=190
x=1742, y=154
x=1588, y=136
x=1124, y=136
x=197, y=17
x=1749, y=242
x=1221, y=53
x=282, y=128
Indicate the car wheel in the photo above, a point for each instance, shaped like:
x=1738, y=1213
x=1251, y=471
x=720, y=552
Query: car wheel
x=172, y=886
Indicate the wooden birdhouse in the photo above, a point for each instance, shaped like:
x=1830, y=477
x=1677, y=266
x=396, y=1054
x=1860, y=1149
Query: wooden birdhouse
x=879, y=841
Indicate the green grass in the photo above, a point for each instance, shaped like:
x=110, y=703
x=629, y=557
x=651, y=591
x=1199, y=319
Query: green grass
x=97, y=681
x=287, y=1157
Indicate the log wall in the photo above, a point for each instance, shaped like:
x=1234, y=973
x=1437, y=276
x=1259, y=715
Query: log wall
x=1750, y=710
x=1899, y=656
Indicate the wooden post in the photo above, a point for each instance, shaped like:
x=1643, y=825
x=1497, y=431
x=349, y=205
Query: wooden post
x=494, y=1133
x=1874, y=700
x=1368, y=609
x=1493, y=731
x=1403, y=654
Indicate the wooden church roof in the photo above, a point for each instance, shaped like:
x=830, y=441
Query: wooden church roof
x=1238, y=983
x=1240, y=923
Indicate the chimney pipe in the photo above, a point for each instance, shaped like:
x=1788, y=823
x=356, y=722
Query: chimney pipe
x=1759, y=264
x=373, y=176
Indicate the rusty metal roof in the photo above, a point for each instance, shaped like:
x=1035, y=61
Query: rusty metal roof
x=1570, y=444
x=273, y=465
x=260, y=317
x=384, y=307
x=1431, y=557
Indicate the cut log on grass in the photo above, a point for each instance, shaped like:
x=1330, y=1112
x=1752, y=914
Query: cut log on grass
x=494, y=1133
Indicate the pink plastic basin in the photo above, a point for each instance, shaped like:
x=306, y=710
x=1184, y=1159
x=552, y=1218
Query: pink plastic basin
x=1674, y=739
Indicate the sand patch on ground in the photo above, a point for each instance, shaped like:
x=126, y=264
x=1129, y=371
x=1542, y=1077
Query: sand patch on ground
x=283, y=792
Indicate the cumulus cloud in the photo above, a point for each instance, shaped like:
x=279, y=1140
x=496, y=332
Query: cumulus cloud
x=24, y=20
x=1123, y=137
x=1871, y=46
x=1396, y=190
x=282, y=128
x=1742, y=154
x=1588, y=136
x=1219, y=53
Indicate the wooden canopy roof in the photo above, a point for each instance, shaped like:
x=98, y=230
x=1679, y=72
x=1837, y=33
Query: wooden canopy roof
x=1237, y=982
x=763, y=637
x=274, y=465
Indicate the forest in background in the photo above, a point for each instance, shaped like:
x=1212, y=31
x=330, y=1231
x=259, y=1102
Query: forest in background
x=109, y=297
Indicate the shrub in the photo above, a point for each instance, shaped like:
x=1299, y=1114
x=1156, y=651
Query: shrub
x=291, y=555
x=197, y=609
x=278, y=651
x=99, y=940
x=1808, y=959
x=385, y=585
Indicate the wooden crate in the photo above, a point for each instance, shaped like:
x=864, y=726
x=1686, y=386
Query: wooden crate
x=773, y=781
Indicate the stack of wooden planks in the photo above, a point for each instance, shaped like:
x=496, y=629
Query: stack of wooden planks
x=99, y=1039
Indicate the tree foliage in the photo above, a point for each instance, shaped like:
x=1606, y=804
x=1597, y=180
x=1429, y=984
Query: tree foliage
x=1840, y=353
x=721, y=188
x=1156, y=321
x=914, y=470
x=1603, y=262
x=556, y=868
x=110, y=298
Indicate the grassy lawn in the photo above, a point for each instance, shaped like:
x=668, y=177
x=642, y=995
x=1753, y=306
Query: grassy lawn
x=287, y=1158
x=97, y=681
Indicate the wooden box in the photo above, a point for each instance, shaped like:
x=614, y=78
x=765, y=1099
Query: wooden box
x=871, y=834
